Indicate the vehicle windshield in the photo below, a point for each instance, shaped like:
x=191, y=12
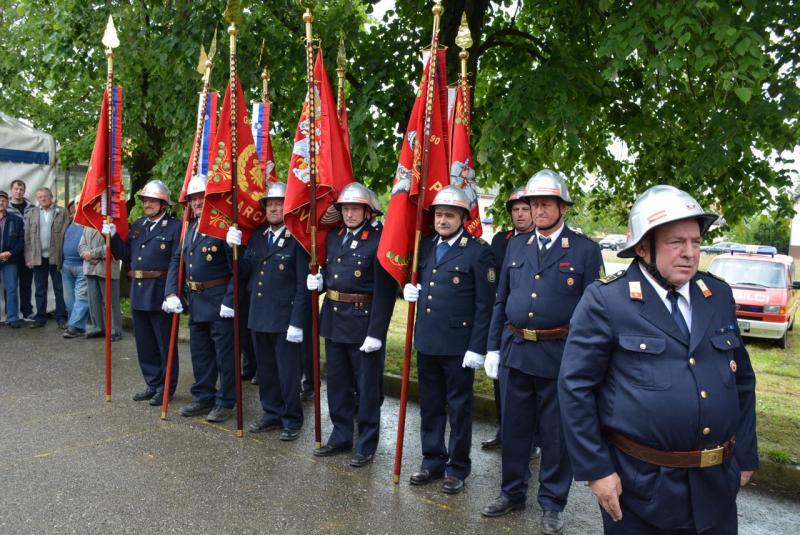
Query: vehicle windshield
x=741, y=271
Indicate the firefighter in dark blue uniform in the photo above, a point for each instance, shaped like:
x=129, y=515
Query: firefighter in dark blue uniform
x=520, y=211
x=455, y=294
x=276, y=268
x=657, y=390
x=355, y=317
x=543, y=277
x=207, y=267
x=152, y=240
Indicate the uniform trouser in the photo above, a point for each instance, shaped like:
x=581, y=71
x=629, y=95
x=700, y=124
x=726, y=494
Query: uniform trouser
x=497, y=406
x=307, y=360
x=527, y=401
x=211, y=344
x=96, y=291
x=245, y=337
x=278, y=371
x=152, y=329
x=445, y=393
x=25, y=282
x=40, y=275
x=344, y=362
x=631, y=524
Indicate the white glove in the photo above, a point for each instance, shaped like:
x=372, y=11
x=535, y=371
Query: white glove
x=225, y=312
x=472, y=360
x=172, y=305
x=109, y=229
x=411, y=292
x=370, y=344
x=234, y=237
x=294, y=334
x=492, y=364
x=314, y=282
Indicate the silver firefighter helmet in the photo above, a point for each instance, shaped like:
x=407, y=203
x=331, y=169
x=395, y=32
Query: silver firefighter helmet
x=547, y=183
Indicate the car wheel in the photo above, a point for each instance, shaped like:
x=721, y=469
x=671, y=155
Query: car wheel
x=783, y=342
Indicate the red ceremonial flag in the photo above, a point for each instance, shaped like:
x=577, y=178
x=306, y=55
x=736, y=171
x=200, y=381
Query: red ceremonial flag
x=207, y=135
x=397, y=240
x=93, y=208
x=217, y=214
x=260, y=125
x=334, y=168
x=462, y=167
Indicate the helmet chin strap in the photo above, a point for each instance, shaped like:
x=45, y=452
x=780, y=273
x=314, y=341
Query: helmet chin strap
x=652, y=268
x=551, y=227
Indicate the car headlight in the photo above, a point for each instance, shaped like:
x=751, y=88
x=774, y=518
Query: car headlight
x=773, y=309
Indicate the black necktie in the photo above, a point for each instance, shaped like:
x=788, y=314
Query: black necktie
x=543, y=241
x=673, y=296
x=348, y=239
x=270, y=240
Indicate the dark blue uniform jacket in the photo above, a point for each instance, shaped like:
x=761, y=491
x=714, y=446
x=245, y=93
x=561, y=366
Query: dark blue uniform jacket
x=534, y=296
x=148, y=251
x=627, y=367
x=455, y=301
x=276, y=280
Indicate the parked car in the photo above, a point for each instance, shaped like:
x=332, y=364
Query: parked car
x=718, y=248
x=614, y=242
x=764, y=289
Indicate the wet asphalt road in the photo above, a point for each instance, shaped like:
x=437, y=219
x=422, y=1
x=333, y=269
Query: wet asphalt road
x=72, y=463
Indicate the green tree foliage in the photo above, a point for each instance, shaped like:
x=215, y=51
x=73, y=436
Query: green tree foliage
x=764, y=229
x=617, y=95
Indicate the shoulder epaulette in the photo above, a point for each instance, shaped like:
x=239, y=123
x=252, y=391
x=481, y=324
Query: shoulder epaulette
x=711, y=275
x=611, y=278
x=480, y=240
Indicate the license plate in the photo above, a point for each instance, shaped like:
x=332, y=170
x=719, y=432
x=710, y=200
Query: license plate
x=744, y=326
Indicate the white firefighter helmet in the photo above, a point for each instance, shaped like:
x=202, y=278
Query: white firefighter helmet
x=658, y=206
x=516, y=195
x=452, y=196
x=197, y=184
x=547, y=183
x=354, y=193
x=156, y=189
x=275, y=190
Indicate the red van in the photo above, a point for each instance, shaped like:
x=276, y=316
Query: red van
x=764, y=288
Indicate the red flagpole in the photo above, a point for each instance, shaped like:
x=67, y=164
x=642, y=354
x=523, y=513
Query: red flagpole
x=423, y=184
x=308, y=19
x=237, y=367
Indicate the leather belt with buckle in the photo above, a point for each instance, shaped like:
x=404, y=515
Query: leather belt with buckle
x=342, y=297
x=200, y=286
x=139, y=274
x=537, y=335
x=672, y=459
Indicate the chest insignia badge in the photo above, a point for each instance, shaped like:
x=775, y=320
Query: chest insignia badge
x=163, y=246
x=570, y=281
x=565, y=243
x=209, y=258
x=703, y=288
x=456, y=280
x=357, y=273
x=733, y=366
x=281, y=267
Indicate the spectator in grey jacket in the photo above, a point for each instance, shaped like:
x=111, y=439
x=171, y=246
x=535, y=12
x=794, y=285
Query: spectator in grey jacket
x=44, y=238
x=92, y=249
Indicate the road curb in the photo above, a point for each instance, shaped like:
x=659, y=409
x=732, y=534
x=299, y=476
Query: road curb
x=780, y=478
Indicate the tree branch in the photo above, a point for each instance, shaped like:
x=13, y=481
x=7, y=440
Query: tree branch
x=495, y=39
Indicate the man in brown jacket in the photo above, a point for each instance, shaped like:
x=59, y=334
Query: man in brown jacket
x=44, y=238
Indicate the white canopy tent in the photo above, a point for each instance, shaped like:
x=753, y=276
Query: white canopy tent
x=26, y=154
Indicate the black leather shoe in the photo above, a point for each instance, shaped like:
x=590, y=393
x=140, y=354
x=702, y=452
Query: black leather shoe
x=452, y=485
x=263, y=425
x=289, y=435
x=536, y=452
x=14, y=324
x=492, y=444
x=501, y=506
x=116, y=337
x=196, y=408
x=145, y=394
x=423, y=477
x=62, y=325
x=254, y=381
x=219, y=414
x=72, y=332
x=158, y=399
x=247, y=376
x=307, y=395
x=552, y=522
x=328, y=451
x=37, y=325
x=359, y=460
x=95, y=334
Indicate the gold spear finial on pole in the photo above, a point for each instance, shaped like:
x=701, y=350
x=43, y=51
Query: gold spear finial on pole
x=264, y=73
x=464, y=41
